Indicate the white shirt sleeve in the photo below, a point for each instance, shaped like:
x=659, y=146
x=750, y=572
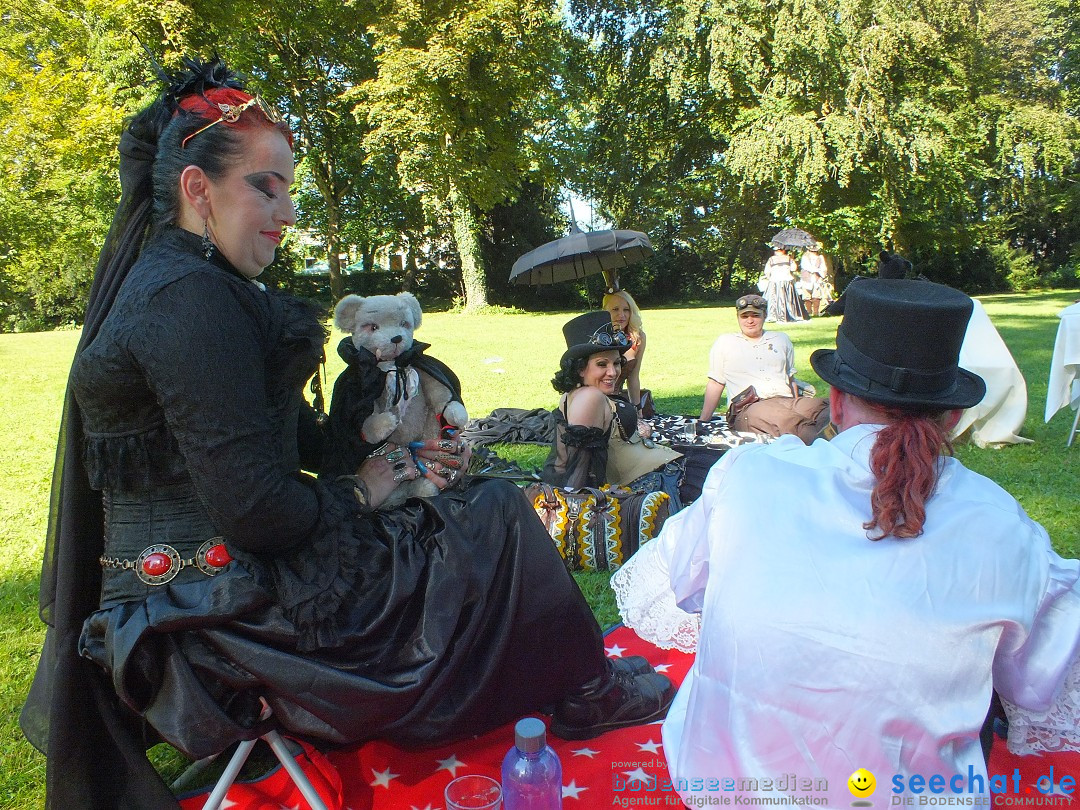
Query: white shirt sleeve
x=716, y=361
x=789, y=357
x=660, y=590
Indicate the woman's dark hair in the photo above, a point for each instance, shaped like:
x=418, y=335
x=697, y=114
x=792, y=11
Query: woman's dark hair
x=152, y=157
x=906, y=461
x=185, y=140
x=568, y=377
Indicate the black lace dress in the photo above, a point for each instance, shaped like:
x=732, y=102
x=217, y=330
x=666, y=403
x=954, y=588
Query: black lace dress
x=441, y=619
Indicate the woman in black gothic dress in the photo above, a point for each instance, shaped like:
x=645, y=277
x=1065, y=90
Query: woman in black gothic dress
x=192, y=567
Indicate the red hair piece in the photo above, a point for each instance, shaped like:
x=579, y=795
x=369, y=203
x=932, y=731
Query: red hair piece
x=906, y=463
x=205, y=106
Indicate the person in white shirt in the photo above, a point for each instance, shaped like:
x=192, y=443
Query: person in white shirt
x=860, y=599
x=765, y=362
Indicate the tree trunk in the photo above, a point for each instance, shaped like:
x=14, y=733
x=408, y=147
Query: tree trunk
x=466, y=230
x=726, y=273
x=409, y=282
x=333, y=249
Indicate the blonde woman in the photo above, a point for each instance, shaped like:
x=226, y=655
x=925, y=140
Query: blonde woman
x=626, y=318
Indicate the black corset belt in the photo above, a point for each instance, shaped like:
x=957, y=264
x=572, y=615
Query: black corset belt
x=156, y=537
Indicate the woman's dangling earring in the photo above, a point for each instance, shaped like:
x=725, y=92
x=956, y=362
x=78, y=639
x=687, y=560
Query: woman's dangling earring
x=207, y=245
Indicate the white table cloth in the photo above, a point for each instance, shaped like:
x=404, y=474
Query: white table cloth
x=1064, y=388
x=1000, y=416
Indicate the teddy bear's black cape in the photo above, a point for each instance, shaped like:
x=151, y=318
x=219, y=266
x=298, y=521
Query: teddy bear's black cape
x=355, y=391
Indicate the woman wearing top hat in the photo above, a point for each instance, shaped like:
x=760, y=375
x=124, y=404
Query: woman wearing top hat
x=598, y=438
x=863, y=617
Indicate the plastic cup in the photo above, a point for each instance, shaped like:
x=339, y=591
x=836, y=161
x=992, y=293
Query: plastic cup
x=473, y=792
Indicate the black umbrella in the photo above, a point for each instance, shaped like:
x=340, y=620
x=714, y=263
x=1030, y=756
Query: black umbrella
x=793, y=238
x=580, y=254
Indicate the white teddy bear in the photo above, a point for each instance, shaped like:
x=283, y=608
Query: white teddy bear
x=413, y=396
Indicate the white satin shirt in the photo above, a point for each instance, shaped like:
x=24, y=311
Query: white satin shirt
x=822, y=652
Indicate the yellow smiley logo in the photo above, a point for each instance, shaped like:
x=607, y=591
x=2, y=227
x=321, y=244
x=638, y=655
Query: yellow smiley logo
x=862, y=783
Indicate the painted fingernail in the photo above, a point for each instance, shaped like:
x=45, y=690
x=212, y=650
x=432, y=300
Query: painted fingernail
x=416, y=445
x=420, y=466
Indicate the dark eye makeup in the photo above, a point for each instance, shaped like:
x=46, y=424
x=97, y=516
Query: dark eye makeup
x=266, y=182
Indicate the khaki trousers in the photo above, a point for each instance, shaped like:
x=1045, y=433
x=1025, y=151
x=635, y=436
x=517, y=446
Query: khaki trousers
x=805, y=417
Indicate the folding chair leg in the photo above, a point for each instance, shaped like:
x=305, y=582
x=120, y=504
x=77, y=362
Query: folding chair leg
x=281, y=751
x=1072, y=432
x=277, y=744
x=228, y=776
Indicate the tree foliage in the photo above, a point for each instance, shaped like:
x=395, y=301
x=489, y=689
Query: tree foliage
x=946, y=129
x=923, y=127
x=460, y=89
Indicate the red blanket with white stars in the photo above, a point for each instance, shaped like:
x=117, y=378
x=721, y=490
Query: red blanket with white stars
x=598, y=773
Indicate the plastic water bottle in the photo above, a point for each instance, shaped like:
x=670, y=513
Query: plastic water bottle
x=531, y=771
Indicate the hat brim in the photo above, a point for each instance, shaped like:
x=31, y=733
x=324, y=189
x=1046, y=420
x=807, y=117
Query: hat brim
x=968, y=392
x=589, y=349
x=757, y=310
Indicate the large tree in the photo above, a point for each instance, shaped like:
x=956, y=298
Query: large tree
x=66, y=83
x=461, y=88
x=871, y=122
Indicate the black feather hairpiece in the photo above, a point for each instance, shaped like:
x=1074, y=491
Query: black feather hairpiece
x=197, y=77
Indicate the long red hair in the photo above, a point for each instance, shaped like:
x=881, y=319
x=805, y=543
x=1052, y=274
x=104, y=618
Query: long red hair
x=906, y=461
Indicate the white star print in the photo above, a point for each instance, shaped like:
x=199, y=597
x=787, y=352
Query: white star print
x=585, y=752
x=382, y=778
x=426, y=807
x=226, y=803
x=638, y=774
x=615, y=651
x=451, y=763
x=651, y=746
x=662, y=667
x=572, y=791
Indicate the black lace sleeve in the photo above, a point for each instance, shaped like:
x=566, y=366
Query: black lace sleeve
x=578, y=456
x=218, y=408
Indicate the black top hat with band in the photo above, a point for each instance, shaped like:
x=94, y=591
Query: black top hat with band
x=899, y=344
x=591, y=333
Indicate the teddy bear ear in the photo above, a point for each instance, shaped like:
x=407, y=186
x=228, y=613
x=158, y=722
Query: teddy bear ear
x=345, y=312
x=410, y=302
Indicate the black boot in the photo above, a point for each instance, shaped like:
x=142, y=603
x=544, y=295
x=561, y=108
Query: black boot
x=633, y=664
x=617, y=699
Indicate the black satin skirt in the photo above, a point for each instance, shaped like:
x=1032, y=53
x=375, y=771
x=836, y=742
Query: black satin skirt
x=461, y=617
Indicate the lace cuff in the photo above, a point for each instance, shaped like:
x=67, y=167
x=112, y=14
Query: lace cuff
x=1056, y=729
x=647, y=605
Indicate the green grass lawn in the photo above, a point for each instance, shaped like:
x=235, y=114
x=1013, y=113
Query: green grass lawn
x=503, y=360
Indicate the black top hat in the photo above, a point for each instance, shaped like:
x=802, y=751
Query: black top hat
x=899, y=344
x=591, y=333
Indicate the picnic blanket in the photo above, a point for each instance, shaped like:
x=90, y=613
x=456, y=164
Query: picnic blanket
x=600, y=773
x=537, y=426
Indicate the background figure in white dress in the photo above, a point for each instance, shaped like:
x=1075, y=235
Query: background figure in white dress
x=862, y=616
x=998, y=419
x=814, y=283
x=785, y=302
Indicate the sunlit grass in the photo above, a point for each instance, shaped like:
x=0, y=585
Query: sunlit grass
x=503, y=360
